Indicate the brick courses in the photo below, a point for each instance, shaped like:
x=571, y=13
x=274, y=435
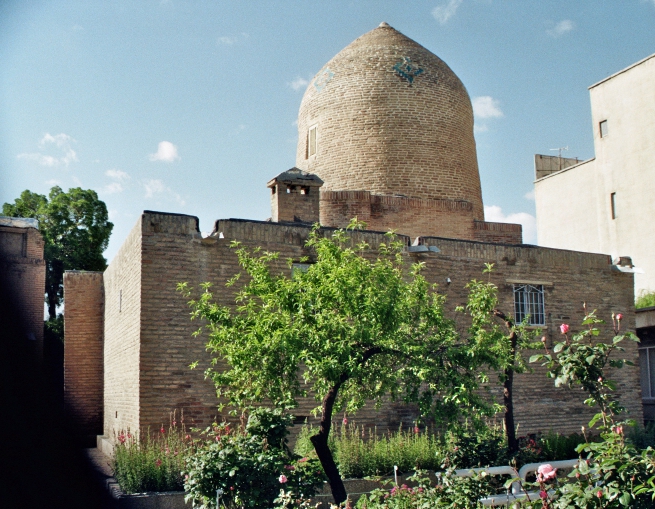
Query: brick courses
x=380, y=133
x=172, y=250
x=22, y=282
x=83, y=350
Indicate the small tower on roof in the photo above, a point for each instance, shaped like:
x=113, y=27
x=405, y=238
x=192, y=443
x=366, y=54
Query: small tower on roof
x=295, y=197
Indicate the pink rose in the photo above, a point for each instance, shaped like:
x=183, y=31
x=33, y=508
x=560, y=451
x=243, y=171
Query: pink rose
x=543, y=494
x=546, y=472
x=564, y=328
x=619, y=317
x=283, y=479
x=345, y=421
x=599, y=494
x=416, y=430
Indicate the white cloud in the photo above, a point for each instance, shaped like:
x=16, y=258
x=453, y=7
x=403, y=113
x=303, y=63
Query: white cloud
x=166, y=152
x=229, y=41
x=117, y=174
x=495, y=214
x=442, y=13
x=299, y=83
x=480, y=128
x=529, y=195
x=156, y=186
x=563, y=27
x=59, y=144
x=486, y=107
x=113, y=187
x=53, y=182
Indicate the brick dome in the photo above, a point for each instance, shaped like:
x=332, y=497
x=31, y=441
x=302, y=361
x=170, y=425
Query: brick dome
x=387, y=116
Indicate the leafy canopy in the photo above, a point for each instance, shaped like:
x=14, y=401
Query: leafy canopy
x=75, y=228
x=356, y=325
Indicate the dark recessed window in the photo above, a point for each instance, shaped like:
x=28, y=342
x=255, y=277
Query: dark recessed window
x=603, y=129
x=613, y=204
x=529, y=302
x=647, y=371
x=311, y=142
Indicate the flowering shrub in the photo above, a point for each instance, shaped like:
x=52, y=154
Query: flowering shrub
x=449, y=492
x=248, y=466
x=611, y=473
x=153, y=463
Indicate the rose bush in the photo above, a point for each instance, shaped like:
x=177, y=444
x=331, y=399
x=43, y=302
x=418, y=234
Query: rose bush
x=248, y=466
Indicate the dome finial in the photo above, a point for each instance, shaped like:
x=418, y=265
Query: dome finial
x=384, y=24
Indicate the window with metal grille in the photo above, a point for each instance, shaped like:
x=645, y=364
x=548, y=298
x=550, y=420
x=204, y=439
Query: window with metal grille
x=529, y=302
x=647, y=372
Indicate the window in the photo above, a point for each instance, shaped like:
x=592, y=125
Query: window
x=603, y=129
x=613, y=204
x=529, y=302
x=311, y=142
x=299, y=267
x=647, y=370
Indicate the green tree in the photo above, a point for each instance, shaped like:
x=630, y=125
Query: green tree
x=356, y=326
x=75, y=229
x=505, y=342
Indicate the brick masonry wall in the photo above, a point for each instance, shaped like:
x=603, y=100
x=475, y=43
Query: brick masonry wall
x=174, y=251
x=83, y=350
x=378, y=131
x=294, y=205
x=500, y=233
x=409, y=216
x=570, y=279
x=122, y=283
x=22, y=282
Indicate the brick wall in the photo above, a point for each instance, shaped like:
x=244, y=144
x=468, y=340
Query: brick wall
x=83, y=350
x=379, y=132
x=500, y=233
x=122, y=283
x=409, y=216
x=22, y=283
x=294, y=203
x=173, y=251
x=570, y=278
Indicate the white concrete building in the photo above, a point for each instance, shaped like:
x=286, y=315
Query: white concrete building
x=607, y=204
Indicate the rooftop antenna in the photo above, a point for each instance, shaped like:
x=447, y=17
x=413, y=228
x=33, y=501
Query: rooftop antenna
x=559, y=156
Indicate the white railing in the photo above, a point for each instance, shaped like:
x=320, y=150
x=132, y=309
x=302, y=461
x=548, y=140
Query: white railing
x=516, y=492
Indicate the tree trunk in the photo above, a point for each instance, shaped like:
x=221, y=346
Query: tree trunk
x=320, y=442
x=508, y=387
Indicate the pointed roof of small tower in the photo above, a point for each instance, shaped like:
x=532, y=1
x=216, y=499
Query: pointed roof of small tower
x=296, y=176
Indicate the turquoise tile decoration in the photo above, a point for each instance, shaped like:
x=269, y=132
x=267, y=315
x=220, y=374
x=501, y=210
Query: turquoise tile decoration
x=407, y=70
x=323, y=79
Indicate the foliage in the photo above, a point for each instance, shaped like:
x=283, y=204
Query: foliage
x=611, y=473
x=152, y=463
x=645, y=299
x=249, y=466
x=505, y=344
x=640, y=437
x=357, y=325
x=75, y=228
x=450, y=492
x=361, y=453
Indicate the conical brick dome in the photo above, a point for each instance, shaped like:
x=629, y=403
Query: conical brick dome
x=387, y=116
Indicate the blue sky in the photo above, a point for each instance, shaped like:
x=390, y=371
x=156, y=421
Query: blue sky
x=190, y=107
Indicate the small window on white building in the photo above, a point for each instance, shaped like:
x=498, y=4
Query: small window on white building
x=529, y=302
x=613, y=204
x=311, y=141
x=603, y=129
x=647, y=371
